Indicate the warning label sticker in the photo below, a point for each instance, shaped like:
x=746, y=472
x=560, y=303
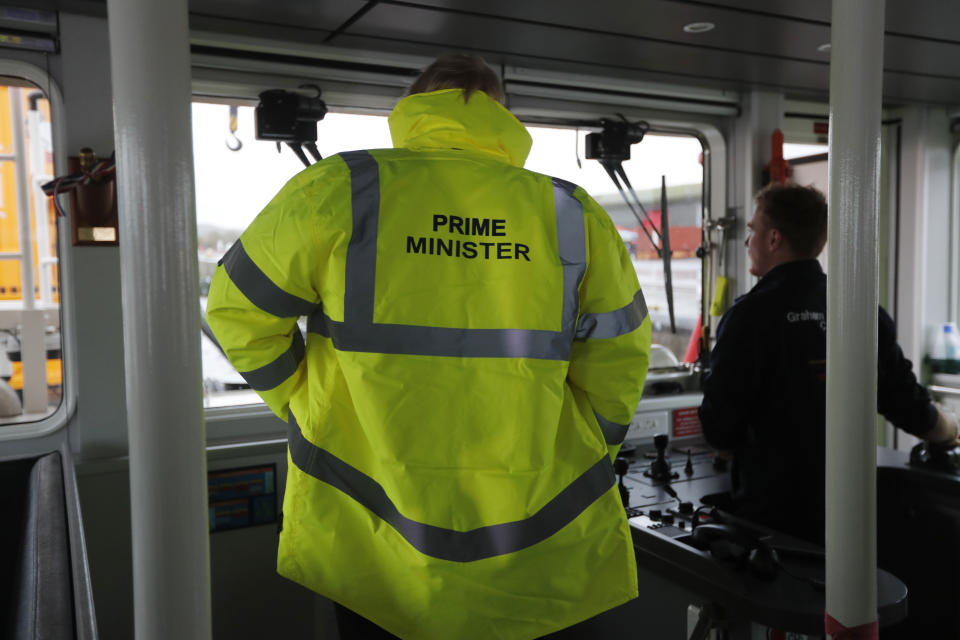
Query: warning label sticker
x=686, y=422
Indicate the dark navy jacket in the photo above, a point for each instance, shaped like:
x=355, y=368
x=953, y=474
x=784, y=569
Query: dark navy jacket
x=764, y=398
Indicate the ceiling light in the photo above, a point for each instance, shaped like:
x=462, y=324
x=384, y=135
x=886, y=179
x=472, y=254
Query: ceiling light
x=824, y=48
x=698, y=27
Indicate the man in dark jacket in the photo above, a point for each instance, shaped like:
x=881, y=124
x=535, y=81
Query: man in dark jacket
x=764, y=398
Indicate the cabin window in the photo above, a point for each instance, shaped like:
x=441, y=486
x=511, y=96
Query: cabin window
x=808, y=165
x=31, y=365
x=237, y=175
x=675, y=160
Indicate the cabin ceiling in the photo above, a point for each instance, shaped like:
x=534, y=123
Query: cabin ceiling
x=768, y=43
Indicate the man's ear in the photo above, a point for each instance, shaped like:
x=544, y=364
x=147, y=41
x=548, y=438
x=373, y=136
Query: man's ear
x=775, y=239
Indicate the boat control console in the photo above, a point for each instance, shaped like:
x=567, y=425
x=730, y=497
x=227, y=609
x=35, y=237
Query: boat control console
x=744, y=572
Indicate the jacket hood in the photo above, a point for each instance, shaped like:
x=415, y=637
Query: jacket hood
x=442, y=120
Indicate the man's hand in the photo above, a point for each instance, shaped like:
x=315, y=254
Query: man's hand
x=944, y=432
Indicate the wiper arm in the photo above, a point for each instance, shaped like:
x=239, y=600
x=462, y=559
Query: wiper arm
x=665, y=251
x=617, y=174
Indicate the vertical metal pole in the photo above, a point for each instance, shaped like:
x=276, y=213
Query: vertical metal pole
x=856, y=73
x=33, y=350
x=762, y=113
x=39, y=219
x=954, y=251
x=33, y=357
x=23, y=198
x=149, y=53
x=41, y=216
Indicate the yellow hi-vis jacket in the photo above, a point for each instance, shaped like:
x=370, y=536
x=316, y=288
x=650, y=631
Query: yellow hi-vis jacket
x=476, y=346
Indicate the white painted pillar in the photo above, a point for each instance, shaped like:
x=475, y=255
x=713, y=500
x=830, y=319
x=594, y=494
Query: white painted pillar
x=856, y=74
x=149, y=53
x=925, y=243
x=761, y=114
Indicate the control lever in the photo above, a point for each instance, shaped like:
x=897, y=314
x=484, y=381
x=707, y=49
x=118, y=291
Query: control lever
x=689, y=468
x=671, y=492
x=660, y=467
x=936, y=456
x=620, y=467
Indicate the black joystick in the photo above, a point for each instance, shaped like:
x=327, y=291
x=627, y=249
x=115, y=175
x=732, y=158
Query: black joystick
x=620, y=467
x=660, y=468
x=937, y=457
x=689, y=468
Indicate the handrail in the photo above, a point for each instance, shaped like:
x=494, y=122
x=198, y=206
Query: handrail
x=944, y=391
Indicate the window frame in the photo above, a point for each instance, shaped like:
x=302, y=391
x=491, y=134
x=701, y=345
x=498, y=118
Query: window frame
x=953, y=312
x=233, y=422
x=68, y=403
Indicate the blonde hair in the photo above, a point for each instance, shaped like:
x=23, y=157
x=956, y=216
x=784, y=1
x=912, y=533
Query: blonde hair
x=459, y=71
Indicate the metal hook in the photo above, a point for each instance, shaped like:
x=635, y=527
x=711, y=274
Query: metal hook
x=576, y=148
x=232, y=141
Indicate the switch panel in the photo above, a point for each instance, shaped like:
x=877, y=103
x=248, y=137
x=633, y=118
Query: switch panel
x=647, y=424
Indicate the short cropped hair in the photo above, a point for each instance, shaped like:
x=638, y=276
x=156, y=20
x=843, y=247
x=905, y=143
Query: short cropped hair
x=459, y=71
x=798, y=213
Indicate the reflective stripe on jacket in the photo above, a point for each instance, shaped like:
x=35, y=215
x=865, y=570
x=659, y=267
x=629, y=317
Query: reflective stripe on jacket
x=476, y=346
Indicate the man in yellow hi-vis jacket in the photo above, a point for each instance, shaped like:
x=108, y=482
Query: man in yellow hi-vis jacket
x=476, y=347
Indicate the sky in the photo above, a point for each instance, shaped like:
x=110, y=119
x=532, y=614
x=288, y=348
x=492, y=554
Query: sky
x=233, y=186
x=791, y=151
